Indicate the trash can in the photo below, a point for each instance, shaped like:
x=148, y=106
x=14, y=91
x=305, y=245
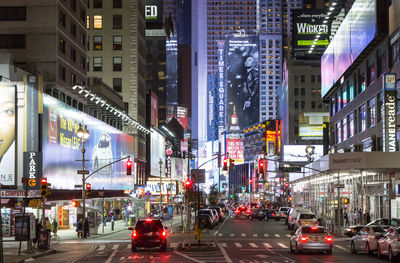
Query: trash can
x=44, y=239
x=132, y=220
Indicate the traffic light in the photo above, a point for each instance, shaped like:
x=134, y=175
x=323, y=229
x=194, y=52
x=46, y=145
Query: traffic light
x=225, y=168
x=231, y=164
x=75, y=203
x=88, y=190
x=261, y=166
x=188, y=183
x=129, y=167
x=345, y=200
x=286, y=185
x=290, y=199
x=251, y=180
x=43, y=187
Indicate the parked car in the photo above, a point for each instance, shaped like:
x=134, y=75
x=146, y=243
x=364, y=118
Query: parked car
x=385, y=222
x=293, y=215
x=272, y=214
x=389, y=244
x=367, y=239
x=352, y=230
x=314, y=238
x=305, y=219
x=287, y=216
x=220, y=213
x=242, y=211
x=211, y=214
x=149, y=233
x=205, y=221
x=259, y=214
x=283, y=212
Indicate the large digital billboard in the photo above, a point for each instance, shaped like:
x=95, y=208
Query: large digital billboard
x=157, y=152
x=153, y=13
x=235, y=149
x=311, y=125
x=242, y=82
x=307, y=24
x=297, y=153
x=62, y=148
x=7, y=135
x=357, y=30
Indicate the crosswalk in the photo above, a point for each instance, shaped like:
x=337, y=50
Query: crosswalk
x=221, y=235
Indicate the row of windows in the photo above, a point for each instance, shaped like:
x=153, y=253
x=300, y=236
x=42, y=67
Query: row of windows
x=99, y=3
x=72, y=28
x=62, y=45
x=98, y=22
x=302, y=78
x=98, y=43
x=302, y=104
x=82, y=10
x=98, y=64
x=12, y=13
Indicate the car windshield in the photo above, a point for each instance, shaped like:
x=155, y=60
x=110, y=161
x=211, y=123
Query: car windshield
x=378, y=229
x=284, y=209
x=307, y=216
x=395, y=222
x=312, y=230
x=144, y=226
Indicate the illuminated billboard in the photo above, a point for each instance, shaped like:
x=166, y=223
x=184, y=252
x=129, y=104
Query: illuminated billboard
x=157, y=152
x=356, y=31
x=311, y=125
x=242, y=82
x=235, y=148
x=62, y=147
x=297, y=153
x=307, y=24
x=153, y=13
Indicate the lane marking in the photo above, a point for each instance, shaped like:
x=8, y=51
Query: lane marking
x=266, y=235
x=102, y=247
x=223, y=244
x=267, y=245
x=228, y=260
x=232, y=235
x=111, y=257
x=220, y=234
x=243, y=235
x=238, y=245
x=192, y=259
x=253, y=245
x=288, y=235
x=282, y=245
x=340, y=247
x=115, y=247
x=277, y=235
x=255, y=235
x=92, y=248
x=215, y=234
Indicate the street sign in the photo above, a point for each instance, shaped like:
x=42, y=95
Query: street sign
x=339, y=185
x=83, y=172
x=191, y=164
x=199, y=176
x=78, y=186
x=290, y=169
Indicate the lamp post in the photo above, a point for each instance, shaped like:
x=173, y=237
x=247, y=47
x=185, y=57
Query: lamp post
x=160, y=162
x=309, y=151
x=83, y=134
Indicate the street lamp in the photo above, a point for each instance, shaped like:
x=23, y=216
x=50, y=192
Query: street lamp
x=83, y=134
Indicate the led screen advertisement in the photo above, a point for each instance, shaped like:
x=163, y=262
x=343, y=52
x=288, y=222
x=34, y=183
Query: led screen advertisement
x=235, y=149
x=311, y=125
x=297, y=153
x=356, y=31
x=153, y=13
x=7, y=135
x=62, y=147
x=307, y=24
x=242, y=82
x=157, y=147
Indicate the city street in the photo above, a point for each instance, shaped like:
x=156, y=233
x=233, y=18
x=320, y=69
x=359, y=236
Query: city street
x=241, y=241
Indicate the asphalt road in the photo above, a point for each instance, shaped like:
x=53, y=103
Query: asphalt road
x=238, y=241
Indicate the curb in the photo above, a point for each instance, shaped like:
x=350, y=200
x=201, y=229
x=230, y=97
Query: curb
x=45, y=253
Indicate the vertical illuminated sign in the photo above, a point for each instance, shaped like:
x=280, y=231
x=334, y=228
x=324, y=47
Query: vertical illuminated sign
x=221, y=83
x=390, y=116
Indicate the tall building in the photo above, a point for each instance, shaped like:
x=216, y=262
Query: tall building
x=116, y=54
x=26, y=33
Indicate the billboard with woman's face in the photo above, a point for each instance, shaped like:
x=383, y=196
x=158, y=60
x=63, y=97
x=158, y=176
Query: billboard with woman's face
x=7, y=135
x=62, y=148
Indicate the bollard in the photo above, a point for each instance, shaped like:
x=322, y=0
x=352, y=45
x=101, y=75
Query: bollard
x=112, y=225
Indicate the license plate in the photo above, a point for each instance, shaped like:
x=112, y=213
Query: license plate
x=308, y=222
x=203, y=220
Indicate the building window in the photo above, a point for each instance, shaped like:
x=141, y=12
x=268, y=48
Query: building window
x=117, y=84
x=62, y=19
x=117, y=21
x=73, y=78
x=87, y=22
x=117, y=64
x=338, y=132
x=296, y=91
x=73, y=29
x=62, y=73
x=98, y=22
x=73, y=5
x=351, y=124
x=303, y=91
x=117, y=3
x=344, y=125
x=12, y=13
x=62, y=45
x=97, y=64
x=83, y=15
x=83, y=39
x=97, y=3
x=303, y=78
x=363, y=117
x=161, y=75
x=82, y=62
x=117, y=42
x=73, y=54
x=13, y=41
x=303, y=104
x=313, y=104
x=313, y=78
x=371, y=112
x=296, y=104
x=97, y=42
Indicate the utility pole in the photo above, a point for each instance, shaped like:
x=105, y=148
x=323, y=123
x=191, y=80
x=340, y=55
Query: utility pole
x=84, y=135
x=160, y=162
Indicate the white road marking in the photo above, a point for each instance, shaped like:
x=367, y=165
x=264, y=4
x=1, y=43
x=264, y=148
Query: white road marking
x=282, y=245
x=267, y=245
x=228, y=260
x=238, y=245
x=109, y=260
x=266, y=235
x=243, y=234
x=253, y=245
x=232, y=235
x=288, y=235
x=115, y=247
x=102, y=247
x=340, y=247
x=174, y=245
x=192, y=259
x=220, y=226
x=255, y=235
x=223, y=244
x=277, y=235
x=220, y=234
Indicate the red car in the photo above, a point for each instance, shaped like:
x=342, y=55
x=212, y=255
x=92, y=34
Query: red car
x=242, y=211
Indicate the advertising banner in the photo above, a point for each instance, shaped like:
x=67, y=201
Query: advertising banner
x=235, y=149
x=154, y=109
x=157, y=153
x=297, y=153
x=7, y=135
x=172, y=71
x=311, y=125
x=389, y=112
x=242, y=82
x=33, y=169
x=62, y=147
x=212, y=109
x=180, y=113
x=221, y=83
x=307, y=24
x=153, y=13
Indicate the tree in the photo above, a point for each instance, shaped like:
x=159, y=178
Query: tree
x=213, y=196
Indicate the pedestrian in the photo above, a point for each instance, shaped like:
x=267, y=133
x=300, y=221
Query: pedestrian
x=367, y=217
x=79, y=227
x=55, y=226
x=38, y=227
x=346, y=218
x=85, y=228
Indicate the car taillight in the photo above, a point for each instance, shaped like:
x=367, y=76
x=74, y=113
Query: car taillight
x=237, y=211
x=248, y=211
x=328, y=239
x=273, y=214
x=134, y=233
x=304, y=239
x=164, y=234
x=149, y=220
x=299, y=222
x=314, y=228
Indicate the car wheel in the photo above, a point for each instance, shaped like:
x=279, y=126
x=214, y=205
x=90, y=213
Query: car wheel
x=133, y=248
x=164, y=247
x=367, y=249
x=291, y=247
x=250, y=218
x=329, y=252
x=261, y=219
x=390, y=254
x=379, y=252
x=297, y=250
x=353, y=248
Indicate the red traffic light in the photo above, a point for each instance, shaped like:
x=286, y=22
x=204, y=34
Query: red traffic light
x=129, y=167
x=286, y=185
x=88, y=186
x=43, y=180
x=129, y=163
x=251, y=180
x=75, y=203
x=188, y=183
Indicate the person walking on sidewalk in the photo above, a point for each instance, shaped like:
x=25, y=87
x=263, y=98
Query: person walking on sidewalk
x=55, y=226
x=79, y=227
x=85, y=228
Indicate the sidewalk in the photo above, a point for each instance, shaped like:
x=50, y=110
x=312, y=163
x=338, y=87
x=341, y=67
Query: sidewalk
x=10, y=246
